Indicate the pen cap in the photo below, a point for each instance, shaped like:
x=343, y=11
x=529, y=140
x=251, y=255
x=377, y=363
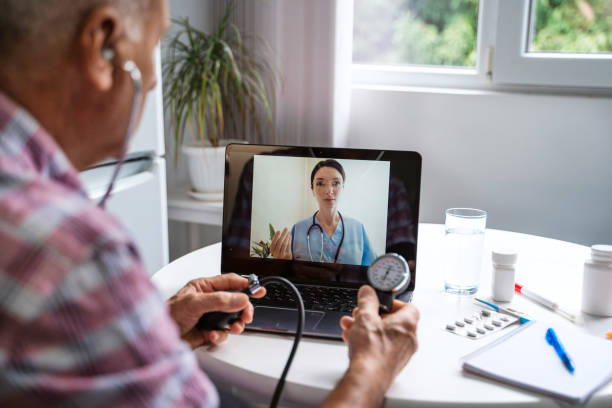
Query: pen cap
x=504, y=257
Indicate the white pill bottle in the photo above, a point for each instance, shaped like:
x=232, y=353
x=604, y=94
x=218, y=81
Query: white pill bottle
x=503, y=274
x=597, y=282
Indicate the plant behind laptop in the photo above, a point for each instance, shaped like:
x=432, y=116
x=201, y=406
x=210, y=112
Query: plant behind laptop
x=262, y=248
x=212, y=81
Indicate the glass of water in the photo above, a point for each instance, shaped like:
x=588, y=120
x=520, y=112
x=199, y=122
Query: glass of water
x=463, y=244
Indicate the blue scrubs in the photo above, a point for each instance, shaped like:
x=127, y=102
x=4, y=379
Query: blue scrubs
x=356, y=248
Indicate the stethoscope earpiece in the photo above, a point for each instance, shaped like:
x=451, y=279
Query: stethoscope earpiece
x=108, y=54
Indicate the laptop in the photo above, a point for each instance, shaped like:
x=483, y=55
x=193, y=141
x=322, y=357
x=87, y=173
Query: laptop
x=341, y=209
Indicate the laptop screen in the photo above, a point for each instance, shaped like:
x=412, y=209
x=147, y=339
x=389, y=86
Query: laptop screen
x=333, y=210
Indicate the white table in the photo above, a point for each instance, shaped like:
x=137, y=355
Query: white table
x=433, y=378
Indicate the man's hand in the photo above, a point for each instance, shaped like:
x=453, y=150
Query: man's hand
x=280, y=248
x=379, y=347
x=387, y=341
x=211, y=295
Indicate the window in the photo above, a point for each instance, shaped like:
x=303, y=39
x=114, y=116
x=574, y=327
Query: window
x=554, y=43
x=576, y=26
x=422, y=32
x=483, y=44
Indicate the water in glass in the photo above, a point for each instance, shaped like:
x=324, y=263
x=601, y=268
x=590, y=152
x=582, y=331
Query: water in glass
x=463, y=246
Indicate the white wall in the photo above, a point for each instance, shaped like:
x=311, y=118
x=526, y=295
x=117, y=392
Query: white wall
x=279, y=194
x=200, y=16
x=282, y=195
x=538, y=164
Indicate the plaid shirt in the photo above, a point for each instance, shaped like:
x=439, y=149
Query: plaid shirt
x=80, y=322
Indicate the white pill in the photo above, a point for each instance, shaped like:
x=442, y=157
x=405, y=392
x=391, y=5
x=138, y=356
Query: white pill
x=486, y=313
x=481, y=331
x=450, y=327
x=471, y=333
x=460, y=324
x=504, y=319
x=496, y=323
x=468, y=320
x=488, y=327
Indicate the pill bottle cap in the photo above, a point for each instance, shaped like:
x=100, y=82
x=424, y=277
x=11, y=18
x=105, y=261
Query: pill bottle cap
x=602, y=253
x=504, y=257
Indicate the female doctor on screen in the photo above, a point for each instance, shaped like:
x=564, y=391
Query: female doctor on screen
x=327, y=235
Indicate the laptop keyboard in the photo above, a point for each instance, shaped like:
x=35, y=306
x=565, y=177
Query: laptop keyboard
x=317, y=298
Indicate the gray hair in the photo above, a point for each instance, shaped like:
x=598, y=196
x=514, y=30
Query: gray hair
x=35, y=26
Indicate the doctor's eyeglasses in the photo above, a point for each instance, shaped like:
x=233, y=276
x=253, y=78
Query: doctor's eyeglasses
x=320, y=185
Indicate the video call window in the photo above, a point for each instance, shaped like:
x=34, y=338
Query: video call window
x=286, y=195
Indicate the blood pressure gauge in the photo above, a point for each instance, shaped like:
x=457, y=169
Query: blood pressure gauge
x=389, y=275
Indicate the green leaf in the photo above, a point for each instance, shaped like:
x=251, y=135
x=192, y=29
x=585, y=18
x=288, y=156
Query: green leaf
x=272, y=232
x=225, y=18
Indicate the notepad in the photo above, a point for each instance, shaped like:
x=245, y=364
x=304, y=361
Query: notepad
x=524, y=359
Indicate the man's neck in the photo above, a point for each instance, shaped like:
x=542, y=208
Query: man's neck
x=49, y=108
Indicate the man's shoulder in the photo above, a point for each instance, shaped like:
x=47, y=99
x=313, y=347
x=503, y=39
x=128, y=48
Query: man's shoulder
x=44, y=215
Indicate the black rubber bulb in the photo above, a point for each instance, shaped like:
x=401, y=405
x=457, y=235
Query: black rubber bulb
x=222, y=320
x=217, y=320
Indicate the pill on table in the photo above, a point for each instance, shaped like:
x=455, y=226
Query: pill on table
x=496, y=323
x=471, y=333
x=486, y=313
x=488, y=327
x=460, y=324
x=480, y=330
x=468, y=320
x=450, y=327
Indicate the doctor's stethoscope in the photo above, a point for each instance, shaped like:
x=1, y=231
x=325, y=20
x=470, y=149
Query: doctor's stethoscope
x=315, y=225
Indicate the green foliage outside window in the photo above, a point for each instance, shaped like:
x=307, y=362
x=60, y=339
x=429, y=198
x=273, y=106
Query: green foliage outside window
x=443, y=32
x=430, y=32
x=573, y=26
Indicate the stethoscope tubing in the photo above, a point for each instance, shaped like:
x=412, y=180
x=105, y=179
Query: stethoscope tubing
x=315, y=225
x=136, y=77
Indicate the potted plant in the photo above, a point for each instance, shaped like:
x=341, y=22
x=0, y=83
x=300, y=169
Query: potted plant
x=217, y=89
x=262, y=248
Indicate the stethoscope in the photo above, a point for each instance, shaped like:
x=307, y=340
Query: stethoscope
x=315, y=225
x=136, y=77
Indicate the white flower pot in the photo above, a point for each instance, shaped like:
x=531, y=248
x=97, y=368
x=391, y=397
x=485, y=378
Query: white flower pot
x=207, y=168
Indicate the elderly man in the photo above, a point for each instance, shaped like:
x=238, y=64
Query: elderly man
x=80, y=322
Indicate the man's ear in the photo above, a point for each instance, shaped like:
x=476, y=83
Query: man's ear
x=99, y=36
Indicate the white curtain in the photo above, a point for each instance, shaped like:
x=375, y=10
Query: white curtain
x=312, y=43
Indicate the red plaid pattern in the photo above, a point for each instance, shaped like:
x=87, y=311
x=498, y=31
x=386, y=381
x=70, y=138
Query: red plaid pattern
x=80, y=322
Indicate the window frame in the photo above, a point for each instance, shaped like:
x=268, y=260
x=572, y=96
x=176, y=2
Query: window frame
x=501, y=63
x=514, y=64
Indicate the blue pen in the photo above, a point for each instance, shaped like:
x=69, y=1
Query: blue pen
x=551, y=338
x=504, y=310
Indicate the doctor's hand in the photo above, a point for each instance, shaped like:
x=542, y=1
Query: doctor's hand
x=382, y=344
x=211, y=295
x=280, y=248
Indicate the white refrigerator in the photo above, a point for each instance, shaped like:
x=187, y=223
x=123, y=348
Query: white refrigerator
x=139, y=195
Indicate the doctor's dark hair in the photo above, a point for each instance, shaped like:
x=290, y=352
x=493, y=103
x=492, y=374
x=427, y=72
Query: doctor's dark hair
x=326, y=163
